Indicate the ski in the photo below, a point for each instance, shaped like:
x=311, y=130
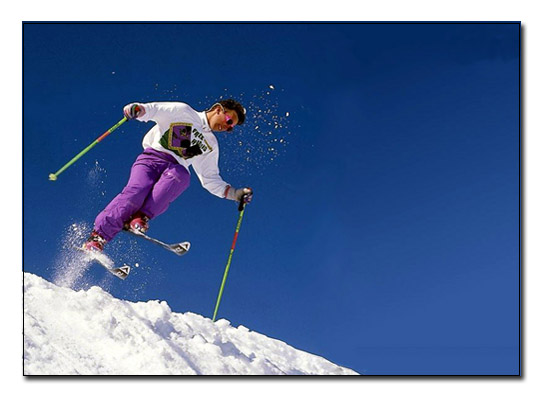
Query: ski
x=178, y=249
x=103, y=260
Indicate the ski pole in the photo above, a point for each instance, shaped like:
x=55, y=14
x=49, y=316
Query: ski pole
x=54, y=176
x=241, y=215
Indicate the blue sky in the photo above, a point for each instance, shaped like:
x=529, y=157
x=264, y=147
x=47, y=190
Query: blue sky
x=384, y=232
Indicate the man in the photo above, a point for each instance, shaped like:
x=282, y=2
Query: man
x=182, y=137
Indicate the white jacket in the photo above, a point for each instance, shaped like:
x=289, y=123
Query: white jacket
x=177, y=125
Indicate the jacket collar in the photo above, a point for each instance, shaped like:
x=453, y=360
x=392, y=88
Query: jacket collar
x=204, y=121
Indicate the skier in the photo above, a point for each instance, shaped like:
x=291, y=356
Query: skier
x=181, y=137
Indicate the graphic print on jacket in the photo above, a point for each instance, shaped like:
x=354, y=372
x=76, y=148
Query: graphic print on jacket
x=185, y=140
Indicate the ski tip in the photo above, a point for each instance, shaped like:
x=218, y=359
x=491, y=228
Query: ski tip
x=180, y=248
x=186, y=245
x=121, y=272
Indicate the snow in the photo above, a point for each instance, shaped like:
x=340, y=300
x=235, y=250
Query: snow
x=89, y=332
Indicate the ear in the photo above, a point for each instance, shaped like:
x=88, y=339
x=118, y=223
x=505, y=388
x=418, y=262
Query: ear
x=214, y=107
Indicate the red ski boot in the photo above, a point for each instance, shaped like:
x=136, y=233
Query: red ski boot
x=139, y=222
x=94, y=243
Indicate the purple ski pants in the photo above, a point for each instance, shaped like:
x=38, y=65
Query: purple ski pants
x=156, y=180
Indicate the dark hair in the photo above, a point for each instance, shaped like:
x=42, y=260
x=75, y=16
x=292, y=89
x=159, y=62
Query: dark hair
x=235, y=106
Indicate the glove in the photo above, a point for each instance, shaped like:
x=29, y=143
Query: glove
x=239, y=194
x=133, y=111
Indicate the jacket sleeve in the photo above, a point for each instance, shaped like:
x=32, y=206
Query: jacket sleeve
x=156, y=111
x=206, y=168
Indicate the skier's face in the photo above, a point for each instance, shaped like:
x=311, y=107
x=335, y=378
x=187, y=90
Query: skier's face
x=224, y=120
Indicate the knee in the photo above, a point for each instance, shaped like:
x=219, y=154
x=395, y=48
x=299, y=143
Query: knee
x=135, y=193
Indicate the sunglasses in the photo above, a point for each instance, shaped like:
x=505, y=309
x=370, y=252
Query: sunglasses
x=229, y=122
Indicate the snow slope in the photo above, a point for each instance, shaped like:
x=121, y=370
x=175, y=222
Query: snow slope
x=91, y=332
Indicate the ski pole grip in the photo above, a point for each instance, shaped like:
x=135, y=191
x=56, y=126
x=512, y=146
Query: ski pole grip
x=242, y=204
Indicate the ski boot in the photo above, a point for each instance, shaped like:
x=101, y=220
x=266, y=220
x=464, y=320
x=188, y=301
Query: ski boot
x=94, y=243
x=139, y=222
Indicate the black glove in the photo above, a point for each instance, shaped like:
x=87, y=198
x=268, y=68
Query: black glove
x=192, y=151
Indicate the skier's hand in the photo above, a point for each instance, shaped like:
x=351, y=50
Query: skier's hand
x=240, y=194
x=244, y=195
x=133, y=111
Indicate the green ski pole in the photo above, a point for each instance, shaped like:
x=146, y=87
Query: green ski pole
x=54, y=176
x=241, y=215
